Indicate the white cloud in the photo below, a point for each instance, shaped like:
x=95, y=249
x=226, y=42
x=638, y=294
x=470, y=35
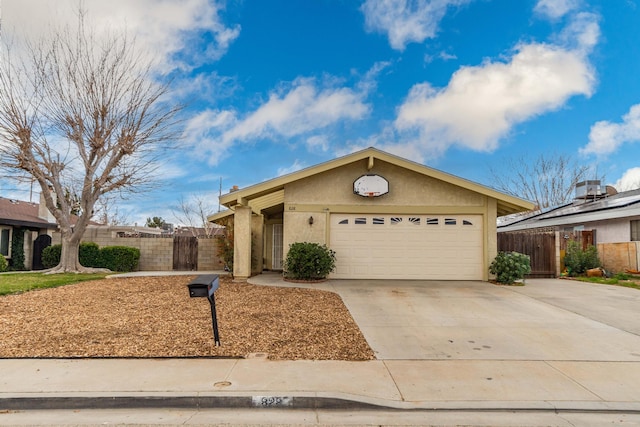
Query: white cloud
x=209, y=87
x=406, y=21
x=481, y=104
x=581, y=33
x=606, y=137
x=630, y=180
x=555, y=9
x=299, y=109
x=296, y=166
x=318, y=143
x=169, y=31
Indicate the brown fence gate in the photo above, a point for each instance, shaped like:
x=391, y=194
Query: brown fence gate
x=541, y=248
x=185, y=253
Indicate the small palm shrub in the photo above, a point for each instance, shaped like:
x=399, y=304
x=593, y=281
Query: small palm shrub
x=510, y=266
x=309, y=261
x=577, y=261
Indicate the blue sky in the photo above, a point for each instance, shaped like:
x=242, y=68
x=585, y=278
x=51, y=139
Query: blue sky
x=459, y=85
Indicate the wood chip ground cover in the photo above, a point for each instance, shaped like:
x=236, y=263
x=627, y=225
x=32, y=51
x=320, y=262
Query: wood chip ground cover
x=155, y=317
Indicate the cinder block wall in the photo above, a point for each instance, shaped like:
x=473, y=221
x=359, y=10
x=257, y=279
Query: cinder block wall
x=156, y=254
x=208, y=258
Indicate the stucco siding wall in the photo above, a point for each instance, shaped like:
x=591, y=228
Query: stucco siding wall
x=297, y=229
x=409, y=192
x=612, y=231
x=406, y=188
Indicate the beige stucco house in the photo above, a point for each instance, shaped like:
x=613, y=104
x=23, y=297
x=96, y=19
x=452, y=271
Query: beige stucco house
x=384, y=216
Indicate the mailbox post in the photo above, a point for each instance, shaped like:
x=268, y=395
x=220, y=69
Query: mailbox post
x=206, y=285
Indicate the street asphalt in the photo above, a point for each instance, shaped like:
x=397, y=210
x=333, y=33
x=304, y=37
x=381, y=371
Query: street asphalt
x=552, y=345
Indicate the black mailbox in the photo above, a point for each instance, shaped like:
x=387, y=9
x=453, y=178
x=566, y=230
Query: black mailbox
x=198, y=290
x=205, y=285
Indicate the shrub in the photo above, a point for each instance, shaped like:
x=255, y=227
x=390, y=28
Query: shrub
x=225, y=244
x=89, y=254
x=51, y=256
x=577, y=261
x=119, y=258
x=4, y=266
x=309, y=261
x=17, y=249
x=510, y=266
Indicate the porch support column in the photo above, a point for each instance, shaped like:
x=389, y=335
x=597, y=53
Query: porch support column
x=491, y=235
x=242, y=243
x=257, y=226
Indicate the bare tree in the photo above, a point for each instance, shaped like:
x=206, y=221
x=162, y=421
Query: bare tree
x=548, y=180
x=194, y=214
x=83, y=113
x=107, y=212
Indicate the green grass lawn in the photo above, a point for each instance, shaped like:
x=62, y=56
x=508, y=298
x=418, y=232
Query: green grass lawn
x=12, y=283
x=626, y=280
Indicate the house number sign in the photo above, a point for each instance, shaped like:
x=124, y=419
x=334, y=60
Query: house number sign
x=371, y=186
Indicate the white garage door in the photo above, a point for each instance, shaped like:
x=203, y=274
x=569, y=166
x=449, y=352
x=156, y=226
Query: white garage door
x=428, y=247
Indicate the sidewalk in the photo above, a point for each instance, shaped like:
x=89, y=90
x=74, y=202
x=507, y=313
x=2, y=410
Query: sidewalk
x=460, y=384
x=399, y=384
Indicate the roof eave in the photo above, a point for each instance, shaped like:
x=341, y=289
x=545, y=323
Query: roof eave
x=506, y=204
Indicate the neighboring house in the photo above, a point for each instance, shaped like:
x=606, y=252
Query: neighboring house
x=614, y=216
x=385, y=217
x=34, y=219
x=614, y=219
x=215, y=231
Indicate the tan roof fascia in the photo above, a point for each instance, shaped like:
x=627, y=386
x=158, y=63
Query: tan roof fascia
x=506, y=204
x=220, y=215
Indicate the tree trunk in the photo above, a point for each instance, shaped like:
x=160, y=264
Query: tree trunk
x=69, y=256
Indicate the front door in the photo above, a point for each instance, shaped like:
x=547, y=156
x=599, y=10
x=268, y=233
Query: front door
x=276, y=255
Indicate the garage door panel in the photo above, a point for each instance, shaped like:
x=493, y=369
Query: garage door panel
x=407, y=246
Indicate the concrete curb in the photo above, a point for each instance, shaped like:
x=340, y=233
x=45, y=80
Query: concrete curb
x=310, y=401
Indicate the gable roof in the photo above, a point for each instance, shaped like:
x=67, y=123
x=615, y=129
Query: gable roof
x=621, y=205
x=22, y=214
x=271, y=193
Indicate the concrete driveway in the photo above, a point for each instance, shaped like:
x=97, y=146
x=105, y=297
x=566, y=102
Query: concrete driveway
x=548, y=319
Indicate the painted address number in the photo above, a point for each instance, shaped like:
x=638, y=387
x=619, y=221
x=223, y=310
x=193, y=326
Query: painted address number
x=271, y=401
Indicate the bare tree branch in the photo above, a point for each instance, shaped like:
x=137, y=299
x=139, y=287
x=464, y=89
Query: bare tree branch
x=548, y=180
x=194, y=214
x=81, y=113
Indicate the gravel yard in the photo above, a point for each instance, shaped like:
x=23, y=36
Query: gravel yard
x=154, y=317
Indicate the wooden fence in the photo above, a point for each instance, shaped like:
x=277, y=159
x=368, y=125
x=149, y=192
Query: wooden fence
x=541, y=248
x=546, y=249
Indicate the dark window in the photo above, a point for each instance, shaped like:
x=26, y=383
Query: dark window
x=4, y=241
x=432, y=221
x=450, y=221
x=359, y=221
x=635, y=230
x=415, y=221
x=466, y=222
x=378, y=220
x=396, y=220
x=344, y=221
